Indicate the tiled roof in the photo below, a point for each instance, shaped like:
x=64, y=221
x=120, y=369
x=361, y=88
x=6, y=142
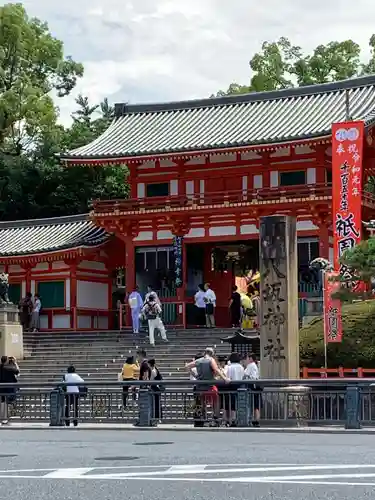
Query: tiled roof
x=49, y=235
x=233, y=121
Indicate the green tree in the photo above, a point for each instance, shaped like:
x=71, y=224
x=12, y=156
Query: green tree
x=32, y=70
x=360, y=262
x=279, y=65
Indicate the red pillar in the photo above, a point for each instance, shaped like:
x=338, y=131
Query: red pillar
x=324, y=241
x=129, y=272
x=73, y=295
x=27, y=268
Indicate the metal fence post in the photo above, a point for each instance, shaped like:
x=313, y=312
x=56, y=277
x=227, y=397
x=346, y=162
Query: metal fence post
x=145, y=407
x=243, y=407
x=56, y=408
x=352, y=405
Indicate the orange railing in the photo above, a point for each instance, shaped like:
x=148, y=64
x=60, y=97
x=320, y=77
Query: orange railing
x=214, y=198
x=338, y=372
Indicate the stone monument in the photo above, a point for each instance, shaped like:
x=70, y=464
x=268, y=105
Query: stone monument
x=11, y=338
x=279, y=327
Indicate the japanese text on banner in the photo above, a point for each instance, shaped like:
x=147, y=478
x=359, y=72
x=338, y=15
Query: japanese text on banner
x=332, y=310
x=347, y=151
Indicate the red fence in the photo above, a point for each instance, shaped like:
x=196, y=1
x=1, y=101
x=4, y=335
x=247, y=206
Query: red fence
x=338, y=372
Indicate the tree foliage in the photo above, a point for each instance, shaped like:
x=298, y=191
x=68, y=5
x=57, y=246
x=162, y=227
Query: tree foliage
x=34, y=74
x=280, y=64
x=32, y=70
x=358, y=282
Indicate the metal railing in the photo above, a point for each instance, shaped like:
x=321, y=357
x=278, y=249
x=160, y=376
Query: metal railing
x=186, y=201
x=348, y=403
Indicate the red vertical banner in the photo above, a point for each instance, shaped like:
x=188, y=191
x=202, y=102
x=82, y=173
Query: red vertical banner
x=347, y=159
x=332, y=309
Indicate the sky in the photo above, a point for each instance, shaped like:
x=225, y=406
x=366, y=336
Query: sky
x=161, y=50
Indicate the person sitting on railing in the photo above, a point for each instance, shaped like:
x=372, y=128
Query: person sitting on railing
x=8, y=375
x=207, y=370
x=130, y=372
x=252, y=373
x=72, y=394
x=235, y=372
x=156, y=391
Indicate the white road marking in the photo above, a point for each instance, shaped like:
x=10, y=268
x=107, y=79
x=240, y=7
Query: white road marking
x=204, y=470
x=68, y=473
x=190, y=469
x=315, y=474
x=158, y=466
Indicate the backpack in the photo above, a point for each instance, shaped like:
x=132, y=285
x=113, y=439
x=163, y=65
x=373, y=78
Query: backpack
x=151, y=312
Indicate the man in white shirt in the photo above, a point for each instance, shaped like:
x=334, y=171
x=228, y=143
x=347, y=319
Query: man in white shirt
x=234, y=371
x=200, y=305
x=210, y=301
x=72, y=394
x=252, y=373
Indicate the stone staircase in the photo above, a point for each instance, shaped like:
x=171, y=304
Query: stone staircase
x=99, y=356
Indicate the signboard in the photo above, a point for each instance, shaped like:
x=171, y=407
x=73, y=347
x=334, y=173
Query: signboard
x=347, y=157
x=332, y=309
x=177, y=250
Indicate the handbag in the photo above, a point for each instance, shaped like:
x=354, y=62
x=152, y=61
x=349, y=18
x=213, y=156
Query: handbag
x=209, y=308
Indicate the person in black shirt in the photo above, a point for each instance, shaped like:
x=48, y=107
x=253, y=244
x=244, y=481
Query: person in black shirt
x=235, y=308
x=8, y=375
x=144, y=367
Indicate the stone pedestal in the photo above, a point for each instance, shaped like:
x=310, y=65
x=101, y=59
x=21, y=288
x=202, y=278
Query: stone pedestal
x=279, y=328
x=11, y=338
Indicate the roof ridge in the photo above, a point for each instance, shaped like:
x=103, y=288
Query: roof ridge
x=122, y=109
x=67, y=219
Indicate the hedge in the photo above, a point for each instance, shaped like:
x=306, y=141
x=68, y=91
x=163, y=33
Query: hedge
x=357, y=348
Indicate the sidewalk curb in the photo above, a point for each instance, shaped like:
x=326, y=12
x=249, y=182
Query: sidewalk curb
x=269, y=430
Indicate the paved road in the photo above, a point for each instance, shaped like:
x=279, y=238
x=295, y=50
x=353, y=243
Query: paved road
x=99, y=465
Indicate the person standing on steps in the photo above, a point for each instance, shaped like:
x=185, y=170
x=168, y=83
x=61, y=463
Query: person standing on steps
x=135, y=303
x=26, y=308
x=151, y=291
x=35, y=316
x=152, y=311
x=210, y=301
x=200, y=306
x=235, y=308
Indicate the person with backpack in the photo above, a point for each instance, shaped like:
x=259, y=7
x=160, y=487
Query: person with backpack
x=152, y=312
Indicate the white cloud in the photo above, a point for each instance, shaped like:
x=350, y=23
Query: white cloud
x=147, y=50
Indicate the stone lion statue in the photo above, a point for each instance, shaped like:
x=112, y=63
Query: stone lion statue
x=4, y=289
